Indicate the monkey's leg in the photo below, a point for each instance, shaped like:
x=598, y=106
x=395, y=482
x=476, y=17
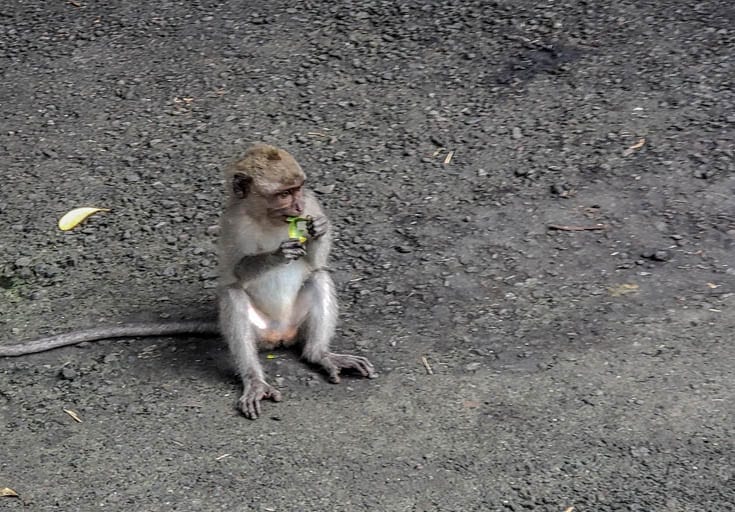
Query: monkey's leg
x=236, y=324
x=321, y=322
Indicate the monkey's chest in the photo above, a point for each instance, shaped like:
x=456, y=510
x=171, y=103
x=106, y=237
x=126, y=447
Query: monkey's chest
x=274, y=293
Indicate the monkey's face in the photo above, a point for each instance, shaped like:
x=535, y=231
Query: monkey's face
x=286, y=201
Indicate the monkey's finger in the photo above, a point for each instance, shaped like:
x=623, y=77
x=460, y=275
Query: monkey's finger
x=250, y=404
x=317, y=227
x=361, y=364
x=248, y=409
x=294, y=254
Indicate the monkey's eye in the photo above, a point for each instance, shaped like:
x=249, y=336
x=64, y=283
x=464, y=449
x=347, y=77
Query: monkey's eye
x=284, y=195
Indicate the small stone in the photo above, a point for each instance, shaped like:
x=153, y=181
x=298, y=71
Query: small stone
x=44, y=270
x=656, y=255
x=403, y=249
x=517, y=133
x=23, y=261
x=481, y=173
x=661, y=256
x=324, y=189
x=559, y=189
x=67, y=373
x=471, y=367
x=640, y=452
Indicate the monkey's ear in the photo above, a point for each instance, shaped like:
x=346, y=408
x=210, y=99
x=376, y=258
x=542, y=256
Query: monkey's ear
x=241, y=185
x=273, y=154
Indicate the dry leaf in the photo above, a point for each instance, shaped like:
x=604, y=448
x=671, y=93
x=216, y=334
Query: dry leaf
x=270, y=356
x=635, y=146
x=448, y=158
x=713, y=285
x=74, y=415
x=623, y=289
x=8, y=493
x=471, y=404
x=73, y=218
x=570, y=509
x=638, y=144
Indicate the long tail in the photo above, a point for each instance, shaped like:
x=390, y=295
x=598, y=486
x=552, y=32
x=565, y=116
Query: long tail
x=131, y=330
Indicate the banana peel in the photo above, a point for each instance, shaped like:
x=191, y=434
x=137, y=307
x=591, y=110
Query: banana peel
x=72, y=219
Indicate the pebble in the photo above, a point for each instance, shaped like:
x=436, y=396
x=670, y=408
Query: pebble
x=657, y=255
x=23, y=261
x=67, y=373
x=324, y=189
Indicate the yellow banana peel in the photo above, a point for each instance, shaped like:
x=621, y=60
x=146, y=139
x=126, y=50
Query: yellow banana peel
x=72, y=219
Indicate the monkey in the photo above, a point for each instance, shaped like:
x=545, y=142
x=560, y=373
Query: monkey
x=274, y=290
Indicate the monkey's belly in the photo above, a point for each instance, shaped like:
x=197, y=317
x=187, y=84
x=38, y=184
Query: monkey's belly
x=276, y=313
x=269, y=333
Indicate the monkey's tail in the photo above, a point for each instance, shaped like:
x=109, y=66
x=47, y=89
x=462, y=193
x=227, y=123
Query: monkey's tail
x=131, y=330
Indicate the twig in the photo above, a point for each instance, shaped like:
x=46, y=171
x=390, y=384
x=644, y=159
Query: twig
x=73, y=415
x=560, y=227
x=429, y=371
x=448, y=158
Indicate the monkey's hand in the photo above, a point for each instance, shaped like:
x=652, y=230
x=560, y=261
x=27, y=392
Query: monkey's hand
x=255, y=391
x=292, y=249
x=317, y=226
x=334, y=363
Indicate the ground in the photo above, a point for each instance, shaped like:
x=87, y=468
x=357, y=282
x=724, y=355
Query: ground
x=457, y=146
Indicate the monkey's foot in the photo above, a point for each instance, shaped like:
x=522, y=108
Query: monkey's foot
x=334, y=363
x=255, y=391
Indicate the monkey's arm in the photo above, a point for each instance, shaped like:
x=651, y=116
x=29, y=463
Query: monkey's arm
x=132, y=330
x=251, y=266
x=319, y=243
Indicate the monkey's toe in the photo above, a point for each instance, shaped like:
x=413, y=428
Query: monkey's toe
x=349, y=362
x=255, y=393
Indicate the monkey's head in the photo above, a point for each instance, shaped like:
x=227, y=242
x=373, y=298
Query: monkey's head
x=270, y=180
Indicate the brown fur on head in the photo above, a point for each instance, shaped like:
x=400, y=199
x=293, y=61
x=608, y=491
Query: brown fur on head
x=264, y=168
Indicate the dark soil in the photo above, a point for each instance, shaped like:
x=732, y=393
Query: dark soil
x=592, y=369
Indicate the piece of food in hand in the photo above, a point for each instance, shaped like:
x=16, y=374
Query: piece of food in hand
x=296, y=231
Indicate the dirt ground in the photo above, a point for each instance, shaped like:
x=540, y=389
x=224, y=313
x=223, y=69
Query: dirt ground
x=536, y=197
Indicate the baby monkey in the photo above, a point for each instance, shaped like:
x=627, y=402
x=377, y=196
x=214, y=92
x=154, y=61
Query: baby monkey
x=274, y=289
